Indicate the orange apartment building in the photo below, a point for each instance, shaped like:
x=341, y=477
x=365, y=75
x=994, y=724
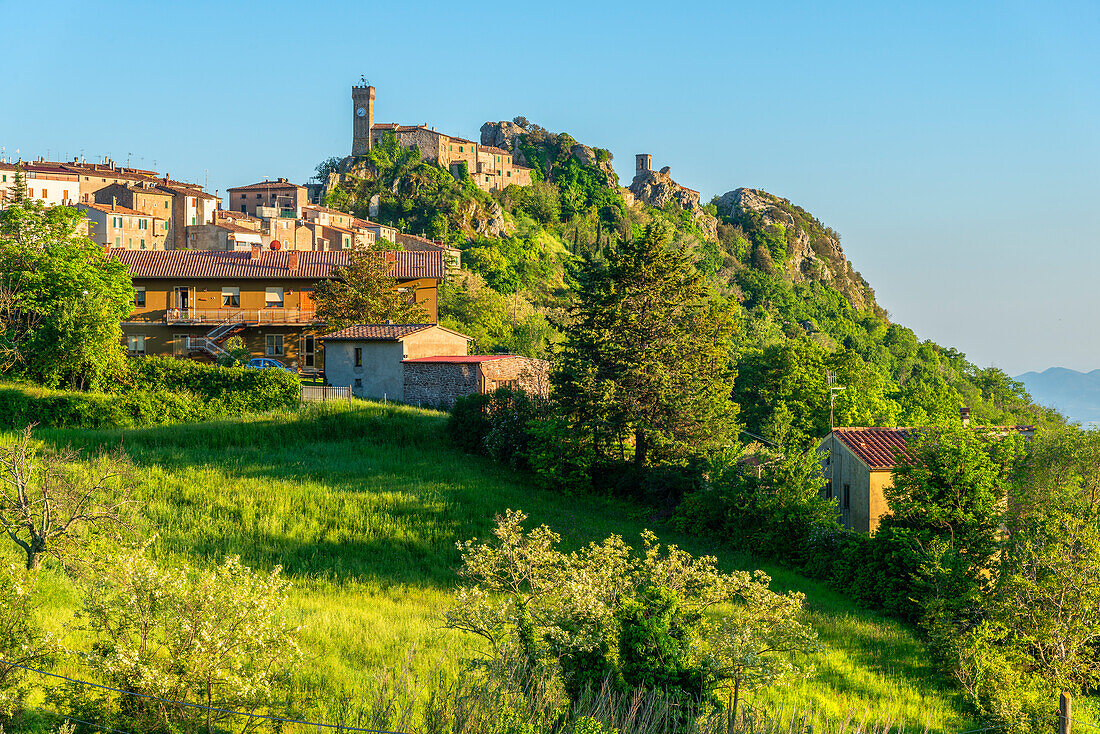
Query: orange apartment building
x=187, y=302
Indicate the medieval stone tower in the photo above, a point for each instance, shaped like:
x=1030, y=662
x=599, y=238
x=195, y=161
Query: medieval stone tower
x=642, y=162
x=362, y=120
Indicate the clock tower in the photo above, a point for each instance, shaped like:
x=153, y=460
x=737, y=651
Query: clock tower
x=362, y=117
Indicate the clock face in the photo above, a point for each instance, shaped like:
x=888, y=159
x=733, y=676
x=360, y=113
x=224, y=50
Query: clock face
x=361, y=112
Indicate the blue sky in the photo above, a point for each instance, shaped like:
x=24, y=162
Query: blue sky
x=953, y=145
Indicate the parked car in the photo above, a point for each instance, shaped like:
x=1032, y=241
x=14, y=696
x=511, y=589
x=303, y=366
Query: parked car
x=267, y=363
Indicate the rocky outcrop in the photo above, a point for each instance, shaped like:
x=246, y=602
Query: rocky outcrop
x=815, y=250
x=656, y=188
x=501, y=134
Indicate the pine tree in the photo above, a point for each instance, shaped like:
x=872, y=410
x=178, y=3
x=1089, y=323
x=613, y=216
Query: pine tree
x=646, y=365
x=17, y=192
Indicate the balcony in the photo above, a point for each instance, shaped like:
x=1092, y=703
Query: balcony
x=251, y=317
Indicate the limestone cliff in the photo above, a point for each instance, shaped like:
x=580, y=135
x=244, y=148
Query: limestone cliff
x=812, y=250
x=656, y=188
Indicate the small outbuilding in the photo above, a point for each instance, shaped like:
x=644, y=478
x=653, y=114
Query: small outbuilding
x=441, y=380
x=368, y=357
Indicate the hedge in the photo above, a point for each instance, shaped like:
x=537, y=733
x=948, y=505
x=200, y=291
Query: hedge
x=237, y=389
x=21, y=406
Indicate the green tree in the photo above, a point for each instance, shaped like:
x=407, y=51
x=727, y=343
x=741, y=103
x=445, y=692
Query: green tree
x=364, y=292
x=603, y=614
x=646, y=358
x=62, y=299
x=22, y=641
x=212, y=637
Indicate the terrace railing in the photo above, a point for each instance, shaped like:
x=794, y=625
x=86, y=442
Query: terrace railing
x=214, y=316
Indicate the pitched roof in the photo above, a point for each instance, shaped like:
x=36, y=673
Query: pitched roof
x=175, y=187
x=113, y=209
x=493, y=149
x=269, y=264
x=415, y=242
x=376, y=332
x=266, y=185
x=462, y=359
x=880, y=448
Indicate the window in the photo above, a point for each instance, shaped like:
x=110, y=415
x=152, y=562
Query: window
x=847, y=497
x=45, y=194
x=4, y=178
x=192, y=220
x=460, y=149
x=135, y=344
x=507, y=383
x=231, y=296
x=118, y=242
x=508, y=174
x=65, y=194
x=143, y=243
x=30, y=193
x=274, y=297
x=139, y=295
x=359, y=356
x=165, y=204
x=359, y=382
x=274, y=345
x=829, y=491
x=244, y=209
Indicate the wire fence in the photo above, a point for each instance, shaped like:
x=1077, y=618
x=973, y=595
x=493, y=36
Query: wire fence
x=344, y=727
x=214, y=709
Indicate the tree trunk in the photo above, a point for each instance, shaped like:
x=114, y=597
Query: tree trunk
x=641, y=447
x=34, y=560
x=736, y=696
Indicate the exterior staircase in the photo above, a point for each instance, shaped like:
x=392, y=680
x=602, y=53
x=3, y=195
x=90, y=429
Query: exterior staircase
x=209, y=343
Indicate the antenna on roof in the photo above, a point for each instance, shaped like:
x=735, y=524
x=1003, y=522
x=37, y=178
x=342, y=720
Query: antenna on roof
x=830, y=380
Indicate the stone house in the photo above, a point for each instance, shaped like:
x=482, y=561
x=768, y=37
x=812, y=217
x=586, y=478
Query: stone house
x=859, y=465
x=441, y=380
x=115, y=226
x=269, y=199
x=369, y=357
x=223, y=235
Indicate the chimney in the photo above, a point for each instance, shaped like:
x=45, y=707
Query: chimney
x=114, y=202
x=255, y=253
x=292, y=261
x=964, y=413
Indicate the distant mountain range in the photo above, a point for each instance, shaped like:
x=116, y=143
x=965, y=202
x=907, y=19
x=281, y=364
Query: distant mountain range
x=1075, y=394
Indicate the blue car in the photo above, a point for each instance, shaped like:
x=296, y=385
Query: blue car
x=267, y=363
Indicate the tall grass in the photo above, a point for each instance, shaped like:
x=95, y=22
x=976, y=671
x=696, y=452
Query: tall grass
x=362, y=504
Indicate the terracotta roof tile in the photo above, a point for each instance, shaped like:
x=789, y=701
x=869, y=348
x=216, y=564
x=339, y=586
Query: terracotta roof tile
x=376, y=332
x=266, y=185
x=463, y=359
x=113, y=209
x=492, y=149
x=269, y=264
x=880, y=448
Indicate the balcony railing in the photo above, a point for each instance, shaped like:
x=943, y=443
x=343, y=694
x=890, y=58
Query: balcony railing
x=248, y=316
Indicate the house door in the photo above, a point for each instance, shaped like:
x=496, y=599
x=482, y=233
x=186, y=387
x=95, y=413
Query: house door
x=309, y=352
x=181, y=297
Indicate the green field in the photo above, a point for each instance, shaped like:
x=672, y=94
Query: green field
x=362, y=504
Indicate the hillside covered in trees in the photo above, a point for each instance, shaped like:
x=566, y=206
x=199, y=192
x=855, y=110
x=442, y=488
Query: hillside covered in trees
x=802, y=309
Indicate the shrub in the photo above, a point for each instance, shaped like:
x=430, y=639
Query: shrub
x=19, y=407
x=238, y=389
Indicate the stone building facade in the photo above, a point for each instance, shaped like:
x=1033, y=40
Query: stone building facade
x=441, y=380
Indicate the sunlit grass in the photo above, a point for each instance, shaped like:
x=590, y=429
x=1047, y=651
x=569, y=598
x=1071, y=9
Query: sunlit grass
x=361, y=504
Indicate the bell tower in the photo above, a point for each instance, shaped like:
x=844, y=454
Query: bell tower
x=362, y=117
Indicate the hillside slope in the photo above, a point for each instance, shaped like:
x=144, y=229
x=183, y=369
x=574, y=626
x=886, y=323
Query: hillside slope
x=362, y=504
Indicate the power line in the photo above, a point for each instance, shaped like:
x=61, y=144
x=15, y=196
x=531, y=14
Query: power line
x=196, y=705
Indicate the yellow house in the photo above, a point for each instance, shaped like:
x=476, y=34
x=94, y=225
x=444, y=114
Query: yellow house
x=859, y=469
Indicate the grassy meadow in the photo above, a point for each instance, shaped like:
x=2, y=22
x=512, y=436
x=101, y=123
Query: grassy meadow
x=361, y=504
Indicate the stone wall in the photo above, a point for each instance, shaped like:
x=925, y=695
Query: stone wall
x=439, y=384
x=442, y=383
x=531, y=375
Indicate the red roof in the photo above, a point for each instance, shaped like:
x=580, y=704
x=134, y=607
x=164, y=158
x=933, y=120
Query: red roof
x=376, y=332
x=462, y=359
x=266, y=185
x=880, y=448
x=113, y=209
x=269, y=264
